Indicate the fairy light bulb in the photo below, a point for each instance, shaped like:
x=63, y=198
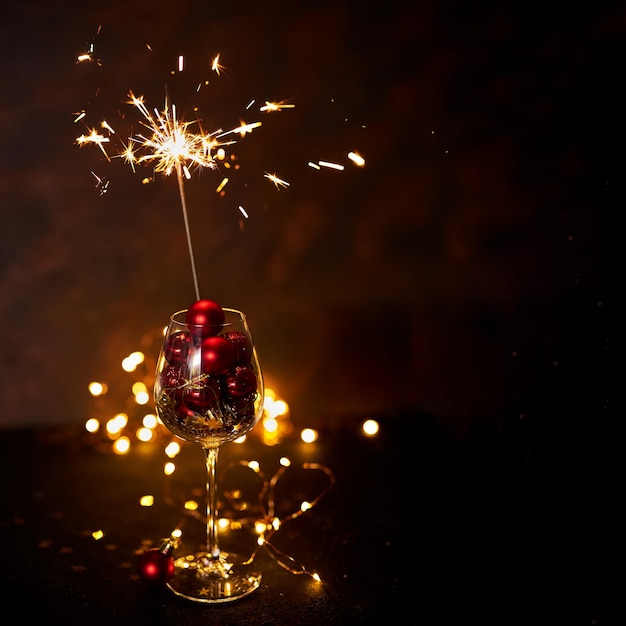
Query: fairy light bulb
x=130, y=363
x=370, y=427
x=150, y=420
x=97, y=389
x=142, y=398
x=92, y=425
x=309, y=435
x=121, y=445
x=116, y=424
x=172, y=449
x=144, y=434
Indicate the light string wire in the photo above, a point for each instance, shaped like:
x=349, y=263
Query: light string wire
x=266, y=524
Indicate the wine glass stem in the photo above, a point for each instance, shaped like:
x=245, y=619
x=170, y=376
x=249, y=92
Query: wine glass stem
x=211, y=510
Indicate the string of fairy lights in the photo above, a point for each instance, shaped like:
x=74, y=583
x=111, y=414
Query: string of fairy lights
x=122, y=419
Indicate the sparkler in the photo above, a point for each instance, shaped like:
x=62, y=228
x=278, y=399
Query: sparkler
x=173, y=145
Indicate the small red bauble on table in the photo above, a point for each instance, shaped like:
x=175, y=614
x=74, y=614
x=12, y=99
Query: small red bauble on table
x=156, y=565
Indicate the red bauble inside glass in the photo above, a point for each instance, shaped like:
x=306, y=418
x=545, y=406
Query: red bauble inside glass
x=177, y=347
x=202, y=395
x=218, y=355
x=205, y=318
x=241, y=381
x=242, y=344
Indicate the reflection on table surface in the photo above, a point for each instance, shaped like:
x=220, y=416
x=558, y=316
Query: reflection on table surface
x=417, y=528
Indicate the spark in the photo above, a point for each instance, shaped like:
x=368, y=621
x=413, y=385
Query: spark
x=94, y=137
x=88, y=57
x=334, y=166
x=222, y=185
x=243, y=212
x=356, y=158
x=215, y=65
x=277, y=181
x=102, y=184
x=106, y=126
x=242, y=129
x=129, y=154
x=276, y=106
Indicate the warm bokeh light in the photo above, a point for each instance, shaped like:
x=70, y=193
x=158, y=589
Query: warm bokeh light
x=130, y=363
x=144, y=434
x=169, y=468
x=97, y=389
x=150, y=420
x=172, y=449
x=143, y=397
x=139, y=387
x=370, y=427
x=92, y=425
x=147, y=500
x=309, y=435
x=121, y=445
x=270, y=425
x=116, y=424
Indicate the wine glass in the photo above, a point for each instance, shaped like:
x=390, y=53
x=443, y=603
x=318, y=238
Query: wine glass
x=209, y=390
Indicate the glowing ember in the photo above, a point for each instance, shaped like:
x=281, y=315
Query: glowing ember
x=277, y=181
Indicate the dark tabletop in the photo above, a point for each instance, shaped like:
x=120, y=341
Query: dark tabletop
x=419, y=528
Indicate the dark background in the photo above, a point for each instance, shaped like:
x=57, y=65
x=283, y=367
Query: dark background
x=472, y=271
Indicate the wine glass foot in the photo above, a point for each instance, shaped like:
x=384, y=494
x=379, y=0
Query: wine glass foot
x=203, y=578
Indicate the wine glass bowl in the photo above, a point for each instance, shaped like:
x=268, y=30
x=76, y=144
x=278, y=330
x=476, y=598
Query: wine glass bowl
x=209, y=390
x=209, y=387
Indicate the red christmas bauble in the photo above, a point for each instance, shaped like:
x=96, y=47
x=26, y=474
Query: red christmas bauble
x=202, y=395
x=242, y=407
x=172, y=376
x=176, y=347
x=241, y=381
x=205, y=318
x=242, y=344
x=155, y=567
x=218, y=355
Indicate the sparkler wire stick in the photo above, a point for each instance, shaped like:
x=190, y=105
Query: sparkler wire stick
x=183, y=203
